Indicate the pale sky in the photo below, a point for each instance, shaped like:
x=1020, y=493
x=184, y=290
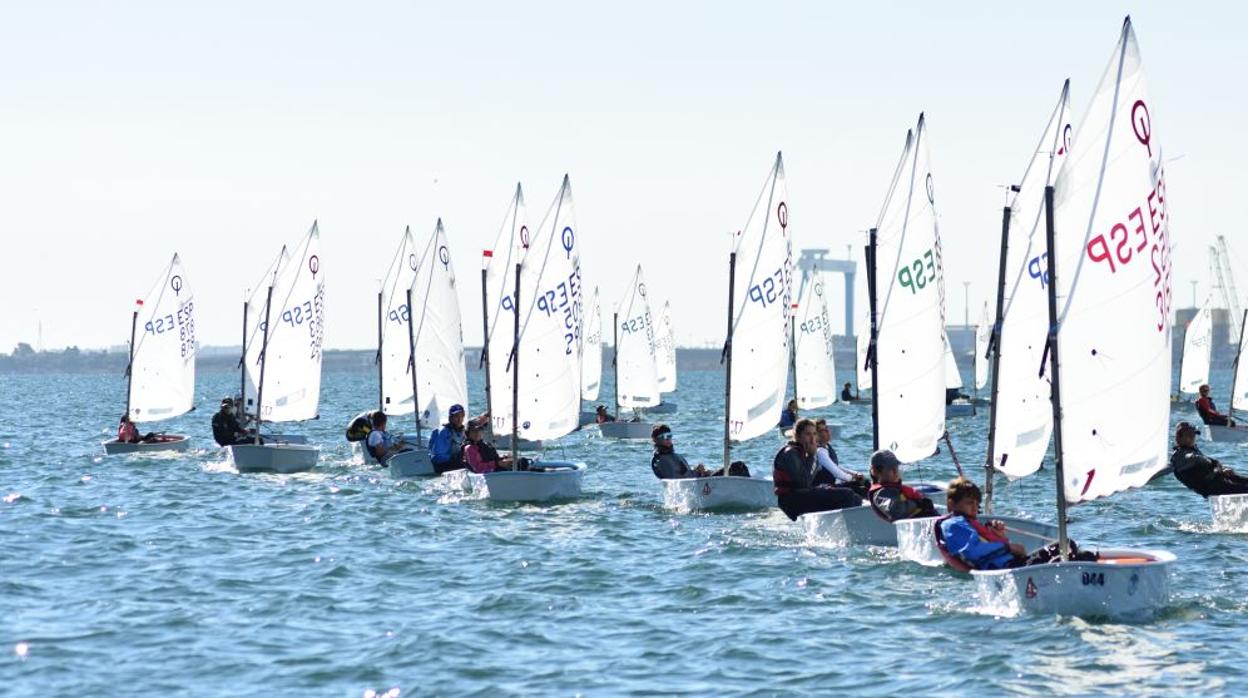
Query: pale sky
x=131, y=130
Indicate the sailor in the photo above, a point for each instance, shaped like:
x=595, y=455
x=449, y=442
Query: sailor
x=379, y=443
x=1209, y=413
x=666, y=463
x=480, y=456
x=802, y=486
x=446, y=443
x=225, y=427
x=789, y=416
x=1199, y=473
x=128, y=433
x=826, y=456
x=891, y=499
x=846, y=395
x=601, y=416
x=986, y=547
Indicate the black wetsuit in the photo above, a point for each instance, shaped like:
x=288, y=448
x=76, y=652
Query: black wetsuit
x=225, y=430
x=802, y=487
x=1204, y=475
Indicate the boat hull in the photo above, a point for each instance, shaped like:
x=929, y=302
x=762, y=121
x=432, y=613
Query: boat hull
x=1230, y=512
x=719, y=493
x=663, y=408
x=172, y=442
x=626, y=430
x=1236, y=434
x=544, y=481
x=916, y=540
x=1125, y=584
x=960, y=408
x=274, y=458
x=858, y=525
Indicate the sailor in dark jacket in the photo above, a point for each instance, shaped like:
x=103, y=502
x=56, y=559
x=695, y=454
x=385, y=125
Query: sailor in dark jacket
x=1199, y=473
x=666, y=463
x=802, y=486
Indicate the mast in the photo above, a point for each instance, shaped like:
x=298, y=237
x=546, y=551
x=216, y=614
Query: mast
x=994, y=355
x=264, y=359
x=241, y=408
x=381, y=365
x=134, y=323
x=411, y=364
x=1054, y=378
x=1239, y=348
x=727, y=357
x=793, y=349
x=875, y=336
x=515, y=371
x=485, y=348
x=615, y=358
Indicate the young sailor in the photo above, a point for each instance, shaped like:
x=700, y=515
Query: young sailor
x=666, y=463
x=1199, y=473
x=226, y=430
x=1209, y=413
x=446, y=443
x=128, y=433
x=802, y=486
x=846, y=395
x=601, y=416
x=480, y=456
x=826, y=456
x=789, y=416
x=986, y=547
x=379, y=442
x=891, y=499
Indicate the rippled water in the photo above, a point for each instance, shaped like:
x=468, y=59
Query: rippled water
x=177, y=575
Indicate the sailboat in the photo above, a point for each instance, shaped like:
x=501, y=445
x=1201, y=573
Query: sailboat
x=665, y=353
x=979, y=363
x=634, y=363
x=760, y=288
x=1239, y=389
x=1101, y=353
x=813, y=352
x=542, y=370
x=497, y=278
x=906, y=348
x=1230, y=511
x=396, y=387
x=1020, y=419
x=1197, y=350
x=591, y=357
x=284, y=362
x=160, y=376
x=960, y=407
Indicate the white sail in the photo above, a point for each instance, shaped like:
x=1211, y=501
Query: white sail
x=1197, y=350
x=910, y=397
x=1021, y=408
x=983, y=334
x=1112, y=253
x=862, y=343
x=591, y=351
x=665, y=349
x=1239, y=399
x=253, y=322
x=636, y=367
x=550, y=325
x=816, y=370
x=162, y=370
x=500, y=277
x=953, y=377
x=396, y=351
x=762, y=301
x=437, y=333
x=291, y=358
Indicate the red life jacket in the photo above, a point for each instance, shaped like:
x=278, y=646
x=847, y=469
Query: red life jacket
x=127, y=432
x=906, y=491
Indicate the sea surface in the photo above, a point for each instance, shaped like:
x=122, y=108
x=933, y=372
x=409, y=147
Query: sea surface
x=175, y=575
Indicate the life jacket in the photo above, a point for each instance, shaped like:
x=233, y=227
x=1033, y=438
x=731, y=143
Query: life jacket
x=360, y=427
x=908, y=493
x=952, y=560
x=988, y=534
x=127, y=432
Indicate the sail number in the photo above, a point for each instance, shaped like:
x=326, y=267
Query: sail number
x=919, y=273
x=564, y=301
x=401, y=314
x=183, y=320
x=1128, y=239
x=773, y=289
x=1093, y=579
x=633, y=325
x=311, y=313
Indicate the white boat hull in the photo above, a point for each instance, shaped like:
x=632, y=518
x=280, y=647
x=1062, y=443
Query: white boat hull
x=960, y=408
x=1230, y=512
x=274, y=458
x=1235, y=434
x=719, y=493
x=858, y=525
x=916, y=540
x=413, y=462
x=626, y=430
x=1124, y=584
x=544, y=481
x=174, y=442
